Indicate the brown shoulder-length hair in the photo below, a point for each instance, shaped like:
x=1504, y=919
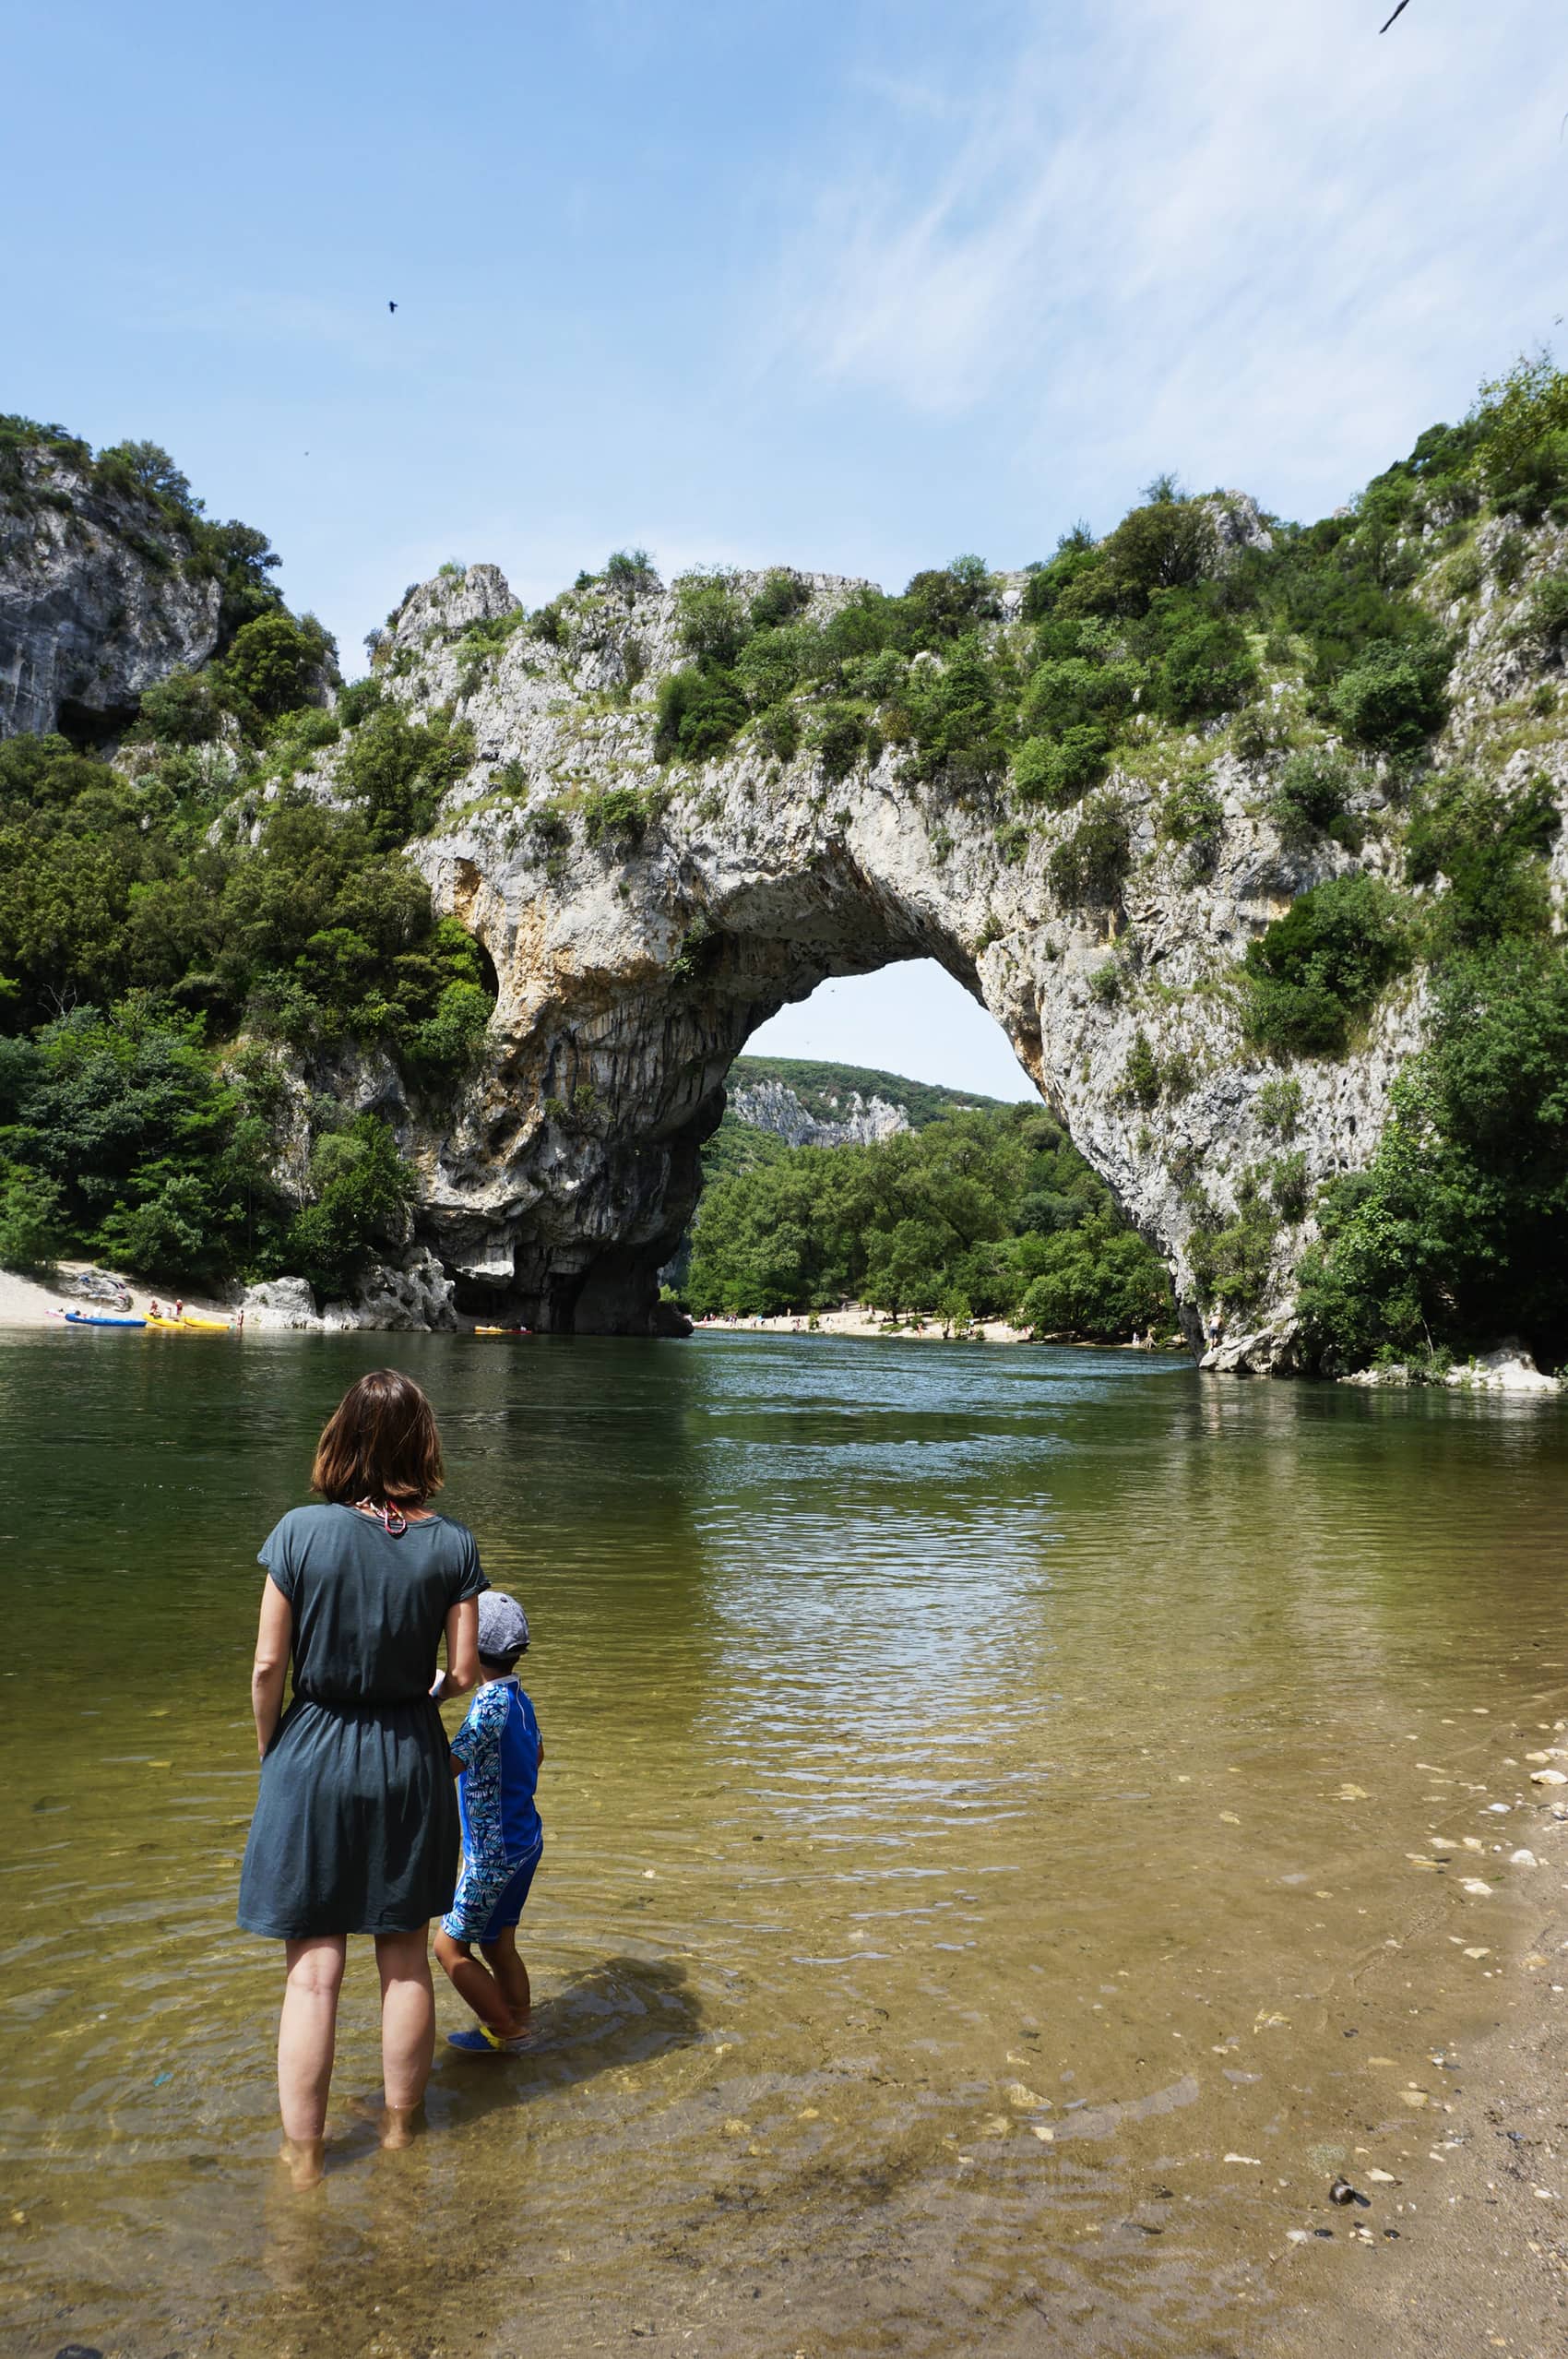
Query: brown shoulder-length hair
x=380, y=1443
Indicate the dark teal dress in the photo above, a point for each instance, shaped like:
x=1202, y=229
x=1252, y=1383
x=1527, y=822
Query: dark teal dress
x=356, y=1822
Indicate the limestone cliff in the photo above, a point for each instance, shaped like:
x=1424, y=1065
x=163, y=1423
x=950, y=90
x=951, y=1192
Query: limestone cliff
x=859, y=1122
x=100, y=594
x=644, y=919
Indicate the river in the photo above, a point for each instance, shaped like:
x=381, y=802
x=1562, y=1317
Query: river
x=1006, y=1822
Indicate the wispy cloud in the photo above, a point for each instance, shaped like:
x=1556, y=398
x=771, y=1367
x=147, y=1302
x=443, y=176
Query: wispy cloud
x=1199, y=233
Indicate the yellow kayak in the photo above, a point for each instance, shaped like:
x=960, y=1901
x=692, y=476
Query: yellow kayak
x=501, y=1331
x=172, y=1324
x=212, y=1326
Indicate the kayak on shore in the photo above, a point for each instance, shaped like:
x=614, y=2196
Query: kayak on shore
x=97, y=1318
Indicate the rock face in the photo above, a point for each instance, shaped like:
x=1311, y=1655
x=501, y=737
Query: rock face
x=643, y=921
x=416, y=1295
x=96, y=602
x=1508, y=1369
x=773, y=1105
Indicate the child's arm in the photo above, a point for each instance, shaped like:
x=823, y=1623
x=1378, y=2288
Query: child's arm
x=478, y=1731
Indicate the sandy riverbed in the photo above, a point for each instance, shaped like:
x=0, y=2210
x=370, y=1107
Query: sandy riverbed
x=1478, y=2262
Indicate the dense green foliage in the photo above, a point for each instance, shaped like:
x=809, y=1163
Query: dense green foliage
x=1455, y=1235
x=131, y=948
x=824, y=1090
x=121, y=1136
x=978, y=1215
x=155, y=955
x=1320, y=967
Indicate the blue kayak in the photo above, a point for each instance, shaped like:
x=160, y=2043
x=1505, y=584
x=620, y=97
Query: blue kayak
x=100, y=1318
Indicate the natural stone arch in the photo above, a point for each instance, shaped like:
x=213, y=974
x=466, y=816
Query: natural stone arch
x=644, y=922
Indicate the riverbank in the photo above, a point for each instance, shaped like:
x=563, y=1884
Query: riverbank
x=1467, y=2250
x=32, y=1302
x=857, y=1318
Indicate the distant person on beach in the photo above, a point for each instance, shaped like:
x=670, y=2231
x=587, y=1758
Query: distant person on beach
x=498, y=1750
x=356, y=1823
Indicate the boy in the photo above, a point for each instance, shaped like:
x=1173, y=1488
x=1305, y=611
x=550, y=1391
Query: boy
x=495, y=1757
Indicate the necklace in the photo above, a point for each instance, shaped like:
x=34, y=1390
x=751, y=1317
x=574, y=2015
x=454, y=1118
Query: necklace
x=392, y=1519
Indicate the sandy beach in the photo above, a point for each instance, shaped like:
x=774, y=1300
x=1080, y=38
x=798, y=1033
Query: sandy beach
x=857, y=1318
x=32, y=1302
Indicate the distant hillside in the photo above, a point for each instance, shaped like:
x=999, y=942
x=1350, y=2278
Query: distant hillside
x=826, y=1089
x=779, y=1102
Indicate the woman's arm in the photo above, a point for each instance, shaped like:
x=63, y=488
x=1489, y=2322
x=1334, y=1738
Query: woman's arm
x=462, y=1651
x=274, y=1640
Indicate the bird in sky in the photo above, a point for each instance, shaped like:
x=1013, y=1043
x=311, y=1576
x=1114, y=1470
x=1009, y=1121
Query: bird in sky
x=391, y=306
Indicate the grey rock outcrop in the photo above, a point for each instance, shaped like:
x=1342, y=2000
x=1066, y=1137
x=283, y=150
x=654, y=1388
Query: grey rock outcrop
x=95, y=600
x=644, y=920
x=773, y=1105
x=412, y=1296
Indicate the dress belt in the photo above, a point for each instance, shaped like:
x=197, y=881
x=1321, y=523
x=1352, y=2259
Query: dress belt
x=360, y=1703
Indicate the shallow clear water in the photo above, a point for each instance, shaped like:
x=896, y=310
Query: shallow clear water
x=945, y=1746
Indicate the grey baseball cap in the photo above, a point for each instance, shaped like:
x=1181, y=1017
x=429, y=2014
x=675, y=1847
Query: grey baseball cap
x=502, y=1625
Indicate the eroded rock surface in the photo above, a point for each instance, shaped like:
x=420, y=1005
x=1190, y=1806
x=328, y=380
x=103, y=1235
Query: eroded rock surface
x=860, y=1121
x=643, y=921
x=97, y=601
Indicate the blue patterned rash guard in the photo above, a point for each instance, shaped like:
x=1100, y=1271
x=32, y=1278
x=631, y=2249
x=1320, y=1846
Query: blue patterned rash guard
x=498, y=1746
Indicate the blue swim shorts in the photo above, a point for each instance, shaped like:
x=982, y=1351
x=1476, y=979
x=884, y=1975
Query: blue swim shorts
x=490, y=1897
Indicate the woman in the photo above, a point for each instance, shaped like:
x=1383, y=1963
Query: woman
x=356, y=1824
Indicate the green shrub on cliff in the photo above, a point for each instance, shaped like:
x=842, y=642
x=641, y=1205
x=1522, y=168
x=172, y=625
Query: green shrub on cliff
x=1393, y=697
x=1317, y=969
x=1089, y=868
x=1521, y=424
x=397, y=770
x=1490, y=852
x=1454, y=1235
x=1313, y=796
x=276, y=664
x=360, y=1206
x=1207, y=670
x=699, y=712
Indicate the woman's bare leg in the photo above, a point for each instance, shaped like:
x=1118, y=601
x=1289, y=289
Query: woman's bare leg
x=408, y=2027
x=307, y=2037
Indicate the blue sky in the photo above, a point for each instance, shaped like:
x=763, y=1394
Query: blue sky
x=852, y=286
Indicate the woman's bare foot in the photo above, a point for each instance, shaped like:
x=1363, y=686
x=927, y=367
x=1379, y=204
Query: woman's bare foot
x=306, y=2161
x=399, y=2126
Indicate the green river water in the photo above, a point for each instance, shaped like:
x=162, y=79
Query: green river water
x=979, y=1909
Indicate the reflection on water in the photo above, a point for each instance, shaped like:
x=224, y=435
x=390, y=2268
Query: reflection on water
x=981, y=1795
